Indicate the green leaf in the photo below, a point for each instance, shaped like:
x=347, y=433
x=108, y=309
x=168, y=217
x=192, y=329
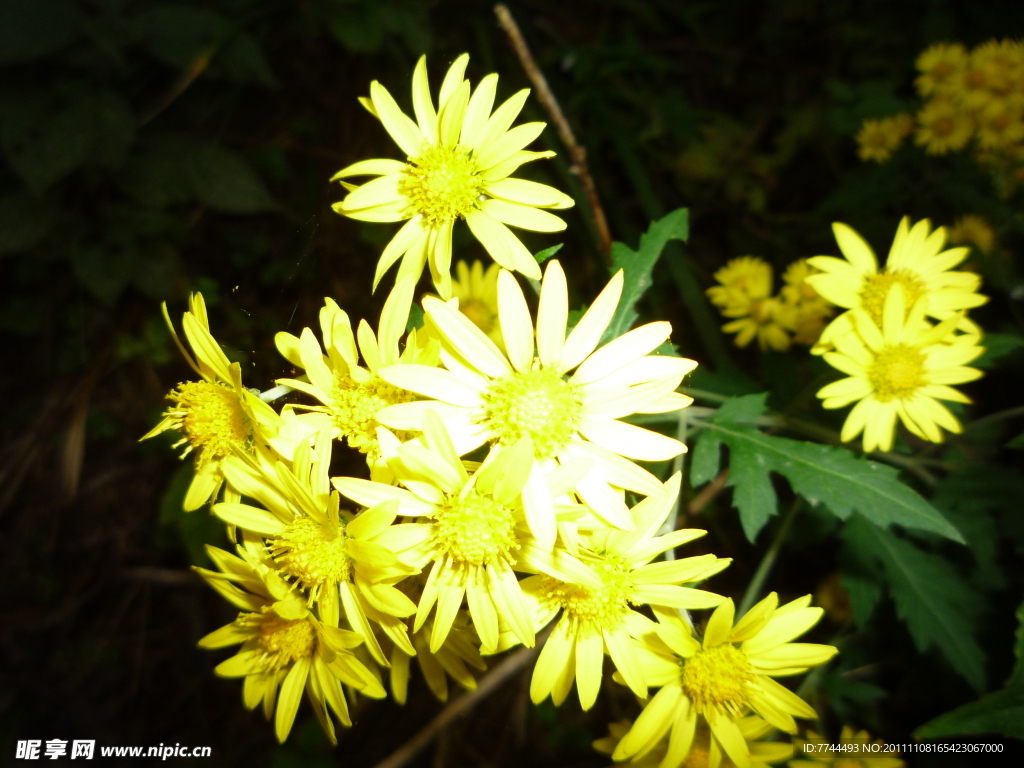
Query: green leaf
x=637, y=266
x=1017, y=443
x=24, y=221
x=226, y=183
x=997, y=346
x=936, y=603
x=105, y=271
x=31, y=29
x=547, y=253
x=819, y=473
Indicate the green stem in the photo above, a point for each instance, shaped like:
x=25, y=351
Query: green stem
x=768, y=561
x=1009, y=413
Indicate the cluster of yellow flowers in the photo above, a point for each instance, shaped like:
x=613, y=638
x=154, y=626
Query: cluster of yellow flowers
x=905, y=337
x=494, y=502
x=744, y=292
x=968, y=95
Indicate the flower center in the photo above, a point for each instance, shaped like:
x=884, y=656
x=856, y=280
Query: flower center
x=479, y=314
x=763, y=312
x=718, y=677
x=592, y=609
x=538, y=404
x=212, y=418
x=441, y=184
x=312, y=555
x=355, y=407
x=896, y=372
x=475, y=531
x=876, y=289
x=283, y=641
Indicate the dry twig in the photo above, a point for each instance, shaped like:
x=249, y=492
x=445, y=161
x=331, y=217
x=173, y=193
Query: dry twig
x=577, y=152
x=708, y=494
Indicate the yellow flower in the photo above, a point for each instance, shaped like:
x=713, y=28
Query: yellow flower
x=705, y=751
x=217, y=416
x=598, y=619
x=744, y=292
x=999, y=66
x=804, y=312
x=899, y=369
x=878, y=139
x=812, y=758
x=718, y=681
x=477, y=536
x=1001, y=123
x=353, y=395
x=284, y=646
x=485, y=395
x=943, y=126
x=458, y=164
x=972, y=229
x=343, y=562
x=916, y=262
x=477, y=292
x=940, y=66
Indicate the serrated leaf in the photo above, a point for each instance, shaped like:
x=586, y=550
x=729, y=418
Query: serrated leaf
x=638, y=265
x=819, y=473
x=936, y=603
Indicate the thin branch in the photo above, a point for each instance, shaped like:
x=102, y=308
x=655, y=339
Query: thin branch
x=708, y=494
x=488, y=684
x=550, y=103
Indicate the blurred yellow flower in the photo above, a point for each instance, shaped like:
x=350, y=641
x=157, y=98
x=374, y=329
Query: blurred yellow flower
x=940, y=66
x=804, y=312
x=878, y=139
x=477, y=292
x=972, y=229
x=744, y=293
x=943, y=126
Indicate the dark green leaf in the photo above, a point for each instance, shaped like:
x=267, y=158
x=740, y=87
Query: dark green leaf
x=226, y=183
x=936, y=603
x=24, y=221
x=547, y=253
x=637, y=266
x=31, y=29
x=997, y=346
x=104, y=271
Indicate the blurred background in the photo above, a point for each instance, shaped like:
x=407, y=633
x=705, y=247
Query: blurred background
x=149, y=149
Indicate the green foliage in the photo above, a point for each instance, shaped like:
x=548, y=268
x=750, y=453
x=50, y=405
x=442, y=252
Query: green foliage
x=999, y=712
x=938, y=605
x=998, y=346
x=820, y=473
x=638, y=265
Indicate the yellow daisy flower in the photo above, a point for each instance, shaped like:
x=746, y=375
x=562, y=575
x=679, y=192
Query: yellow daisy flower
x=916, y=262
x=812, y=758
x=940, y=66
x=598, y=619
x=943, y=126
x=1001, y=123
x=898, y=370
x=477, y=536
x=284, y=646
x=353, y=395
x=345, y=563
x=477, y=292
x=719, y=680
x=804, y=312
x=217, y=416
x=459, y=159
x=972, y=229
x=486, y=395
x=744, y=293
x=705, y=751
x=878, y=139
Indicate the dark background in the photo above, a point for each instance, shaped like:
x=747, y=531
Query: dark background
x=154, y=148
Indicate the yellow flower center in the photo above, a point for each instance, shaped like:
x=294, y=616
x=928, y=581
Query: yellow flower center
x=481, y=315
x=876, y=289
x=284, y=641
x=312, y=555
x=718, y=677
x=538, y=404
x=355, y=407
x=591, y=608
x=212, y=418
x=475, y=531
x=441, y=184
x=896, y=372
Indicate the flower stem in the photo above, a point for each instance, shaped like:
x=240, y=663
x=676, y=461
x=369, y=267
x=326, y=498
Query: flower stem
x=765, y=566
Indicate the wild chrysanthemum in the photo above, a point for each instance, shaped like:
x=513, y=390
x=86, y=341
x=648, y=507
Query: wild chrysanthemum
x=804, y=312
x=458, y=164
x=1001, y=124
x=353, y=395
x=345, y=563
x=972, y=229
x=821, y=756
x=943, y=126
x=599, y=619
x=916, y=262
x=719, y=680
x=705, y=751
x=216, y=416
x=940, y=66
x=486, y=395
x=477, y=536
x=744, y=292
x=477, y=292
x=284, y=646
x=878, y=139
x=899, y=369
